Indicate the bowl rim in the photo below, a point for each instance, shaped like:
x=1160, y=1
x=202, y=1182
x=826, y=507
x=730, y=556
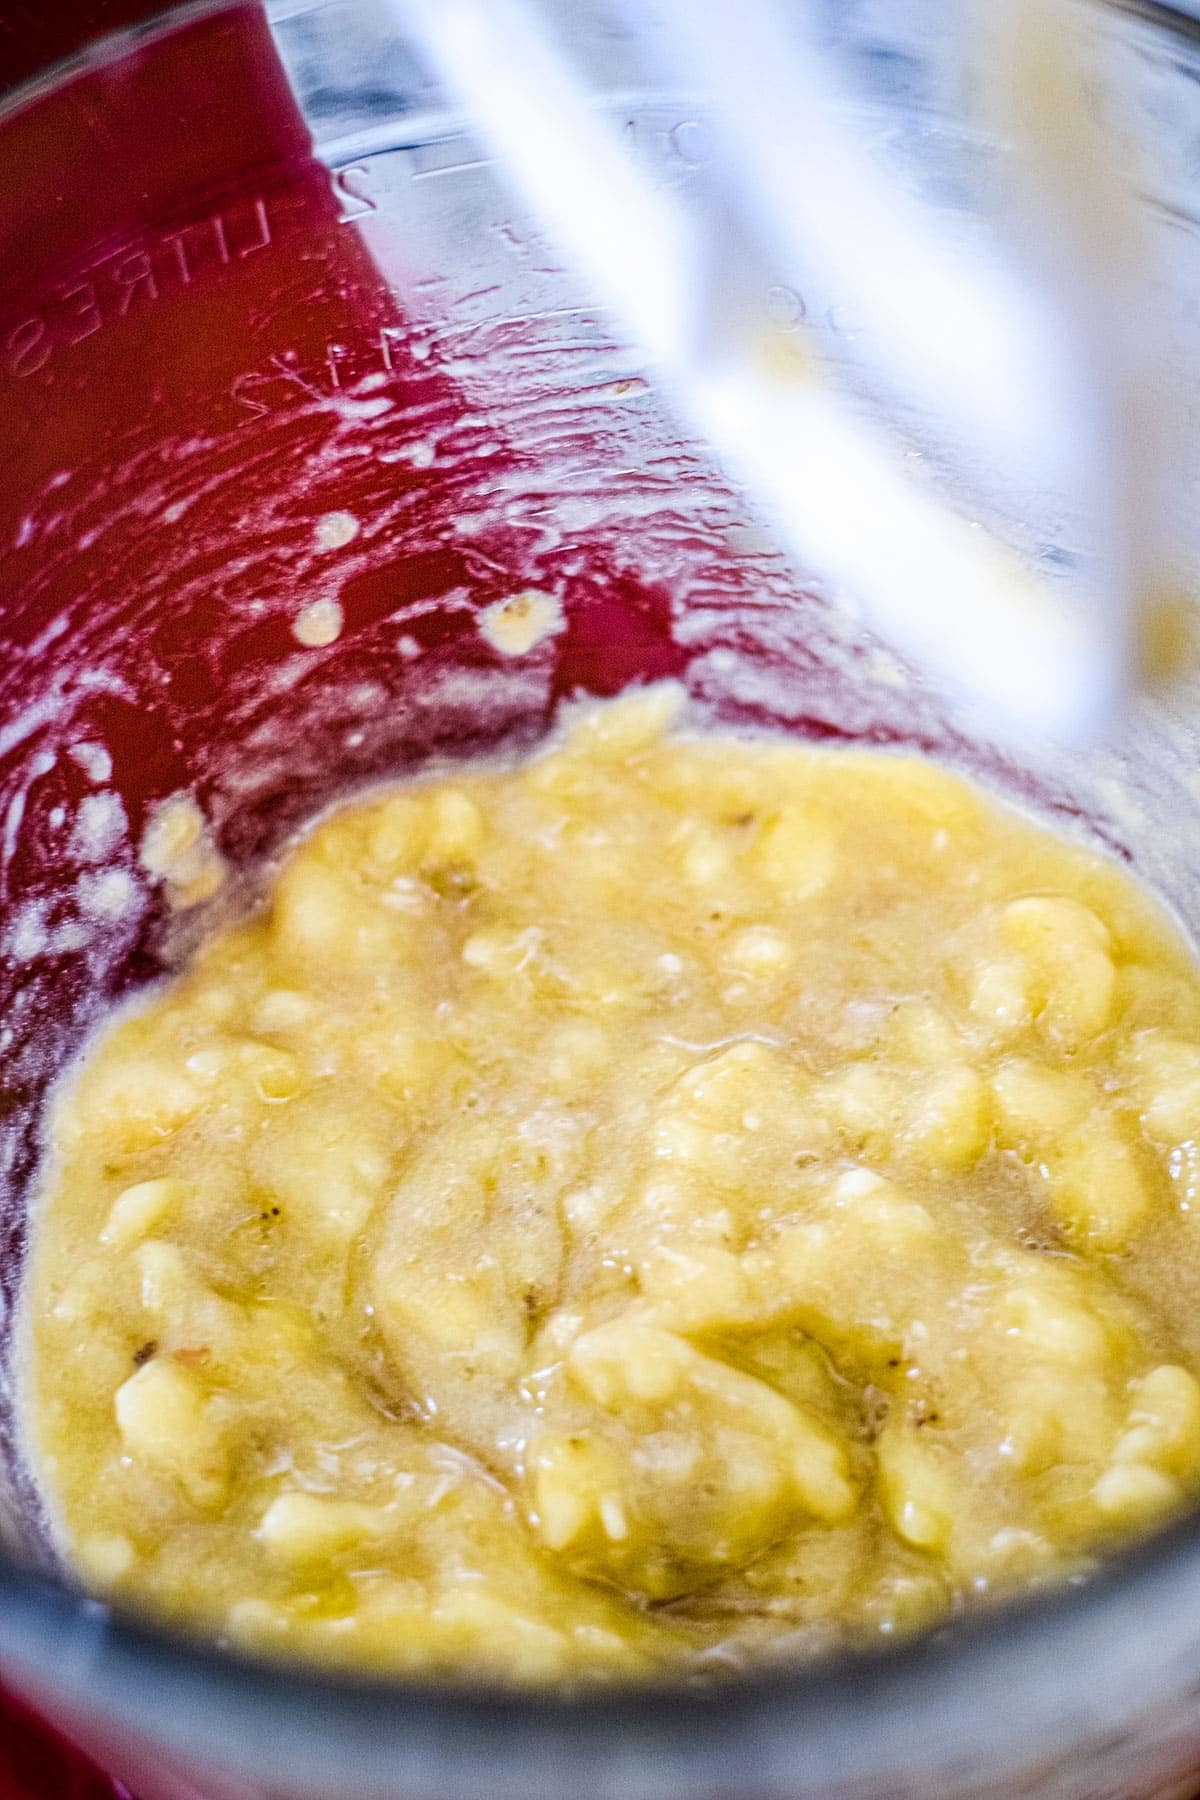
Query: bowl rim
x=57, y=1640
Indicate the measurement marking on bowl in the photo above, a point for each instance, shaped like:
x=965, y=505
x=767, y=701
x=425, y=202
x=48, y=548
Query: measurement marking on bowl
x=347, y=186
x=470, y=160
x=347, y=365
x=138, y=274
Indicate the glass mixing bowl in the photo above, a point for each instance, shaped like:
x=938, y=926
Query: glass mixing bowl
x=255, y=271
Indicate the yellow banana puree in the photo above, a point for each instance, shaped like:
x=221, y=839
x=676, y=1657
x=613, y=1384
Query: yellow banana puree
x=681, y=1200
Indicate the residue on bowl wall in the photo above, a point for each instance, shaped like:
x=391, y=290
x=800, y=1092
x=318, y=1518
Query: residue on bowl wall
x=178, y=850
x=333, y=530
x=318, y=624
x=108, y=896
x=93, y=759
x=516, y=626
x=100, y=825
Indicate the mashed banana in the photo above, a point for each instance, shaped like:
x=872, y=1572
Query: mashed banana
x=679, y=1200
